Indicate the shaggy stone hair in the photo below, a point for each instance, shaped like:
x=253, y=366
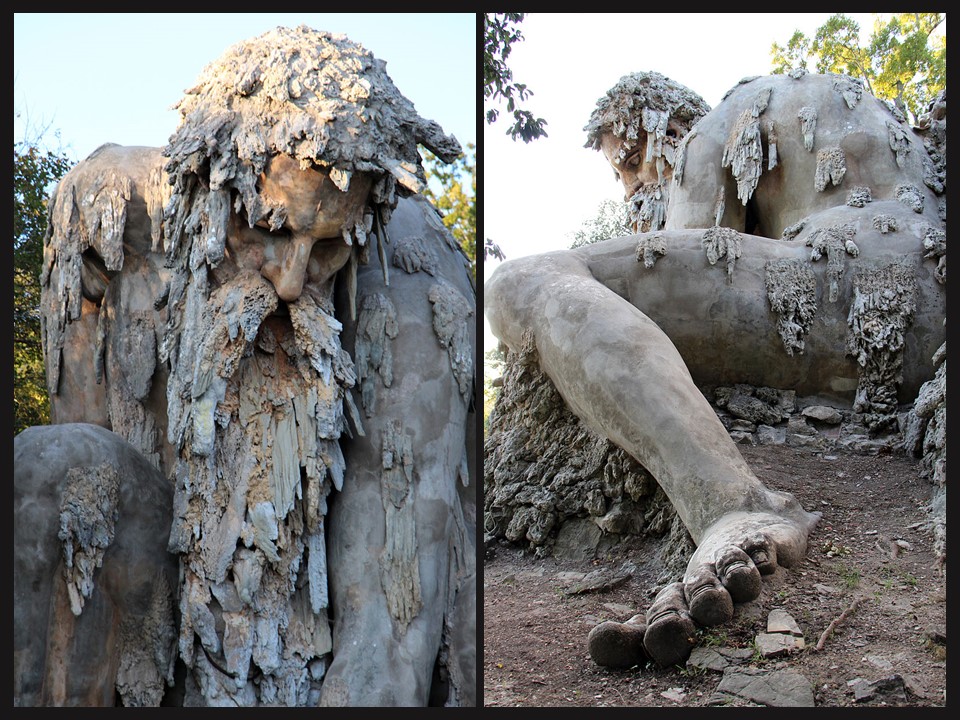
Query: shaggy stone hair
x=639, y=102
x=316, y=96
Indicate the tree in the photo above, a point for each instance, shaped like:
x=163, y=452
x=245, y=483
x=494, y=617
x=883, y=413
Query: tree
x=500, y=31
x=34, y=173
x=457, y=205
x=905, y=62
x=490, y=248
x=611, y=220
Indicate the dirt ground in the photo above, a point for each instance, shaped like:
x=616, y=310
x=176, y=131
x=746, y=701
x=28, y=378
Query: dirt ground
x=871, y=546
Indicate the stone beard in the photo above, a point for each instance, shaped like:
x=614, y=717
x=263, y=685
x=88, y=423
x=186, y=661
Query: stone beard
x=257, y=400
x=647, y=207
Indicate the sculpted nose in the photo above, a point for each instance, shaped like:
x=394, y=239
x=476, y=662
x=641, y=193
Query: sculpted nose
x=289, y=270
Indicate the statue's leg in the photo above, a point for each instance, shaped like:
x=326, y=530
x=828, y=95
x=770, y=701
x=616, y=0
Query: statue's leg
x=400, y=555
x=622, y=375
x=94, y=607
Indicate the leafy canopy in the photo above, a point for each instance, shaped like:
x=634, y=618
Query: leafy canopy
x=34, y=172
x=905, y=60
x=455, y=196
x=500, y=31
x=612, y=220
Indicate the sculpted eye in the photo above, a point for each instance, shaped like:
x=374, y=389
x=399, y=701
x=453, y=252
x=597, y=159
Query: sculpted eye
x=633, y=161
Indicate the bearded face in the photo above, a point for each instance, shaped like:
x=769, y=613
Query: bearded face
x=645, y=170
x=258, y=399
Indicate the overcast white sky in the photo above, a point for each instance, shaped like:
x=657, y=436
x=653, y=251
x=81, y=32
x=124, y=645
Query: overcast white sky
x=113, y=77
x=536, y=195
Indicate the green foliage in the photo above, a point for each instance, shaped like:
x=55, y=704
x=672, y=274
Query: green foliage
x=491, y=249
x=611, y=221
x=500, y=31
x=456, y=198
x=34, y=173
x=904, y=62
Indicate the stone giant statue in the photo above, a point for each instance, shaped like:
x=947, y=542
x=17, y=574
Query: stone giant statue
x=791, y=238
x=260, y=355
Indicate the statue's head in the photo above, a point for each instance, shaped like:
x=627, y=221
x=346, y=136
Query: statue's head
x=292, y=149
x=638, y=125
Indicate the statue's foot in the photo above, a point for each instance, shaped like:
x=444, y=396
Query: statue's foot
x=725, y=570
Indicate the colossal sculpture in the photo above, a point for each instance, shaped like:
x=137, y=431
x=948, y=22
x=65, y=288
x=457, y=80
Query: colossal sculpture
x=217, y=304
x=791, y=238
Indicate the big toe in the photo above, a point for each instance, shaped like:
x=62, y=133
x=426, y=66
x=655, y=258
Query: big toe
x=739, y=575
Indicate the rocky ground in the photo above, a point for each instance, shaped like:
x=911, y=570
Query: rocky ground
x=869, y=593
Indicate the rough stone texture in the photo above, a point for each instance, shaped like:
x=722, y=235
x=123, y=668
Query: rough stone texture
x=376, y=327
x=882, y=307
x=93, y=583
x=835, y=242
x=648, y=248
x=655, y=112
x=607, y=361
x=229, y=375
x=721, y=242
x=743, y=152
x=544, y=471
x=779, y=621
x=776, y=688
x=773, y=645
x=792, y=293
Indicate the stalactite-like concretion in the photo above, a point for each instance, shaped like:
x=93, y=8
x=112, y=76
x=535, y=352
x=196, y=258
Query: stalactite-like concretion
x=719, y=206
x=898, y=142
x=649, y=247
x=146, y=656
x=835, y=242
x=859, y=196
x=743, y=154
x=831, y=167
x=647, y=208
x=772, y=140
x=680, y=157
x=792, y=293
x=851, y=89
x=399, y=569
x=935, y=244
x=880, y=312
x=884, y=223
x=88, y=514
x=261, y=404
x=412, y=254
x=808, y=126
x=743, y=151
x=376, y=328
x=720, y=242
x=452, y=314
x=87, y=211
x=910, y=196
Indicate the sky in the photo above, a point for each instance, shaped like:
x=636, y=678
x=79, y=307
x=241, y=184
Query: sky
x=537, y=194
x=92, y=78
